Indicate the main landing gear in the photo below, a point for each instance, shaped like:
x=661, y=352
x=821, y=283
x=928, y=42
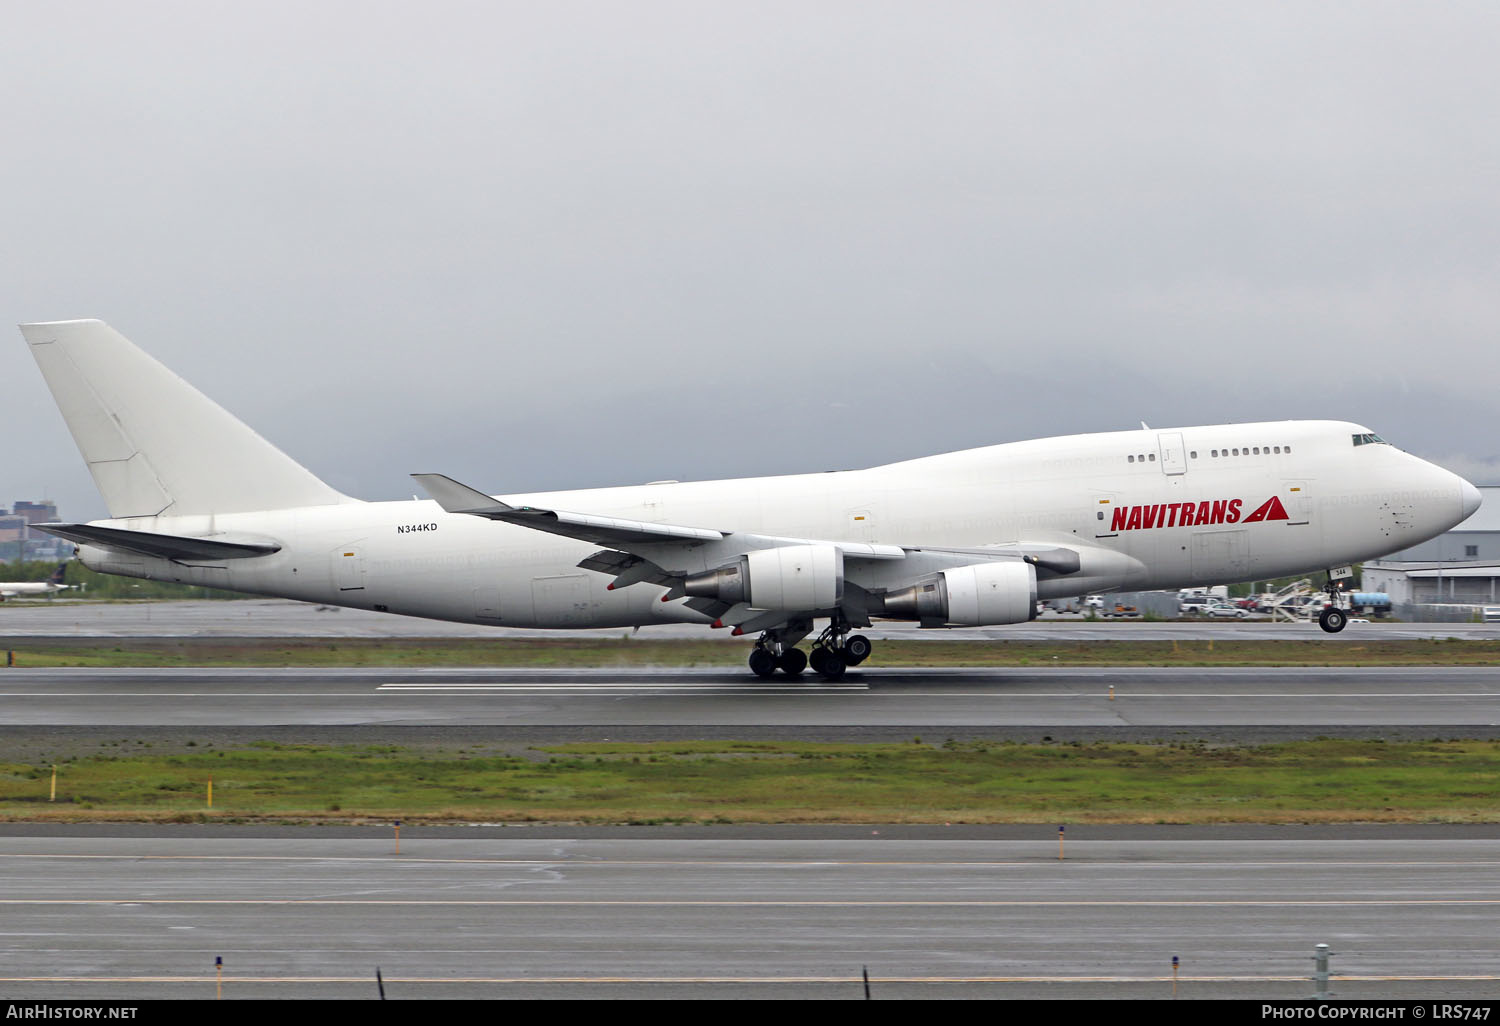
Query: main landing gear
x=834, y=652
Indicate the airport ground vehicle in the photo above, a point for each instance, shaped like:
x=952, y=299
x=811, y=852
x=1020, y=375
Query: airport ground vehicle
x=1221, y=609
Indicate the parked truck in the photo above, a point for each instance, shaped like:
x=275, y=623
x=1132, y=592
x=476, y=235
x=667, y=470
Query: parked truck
x=1371, y=603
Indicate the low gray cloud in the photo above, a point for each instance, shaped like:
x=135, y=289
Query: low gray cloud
x=544, y=246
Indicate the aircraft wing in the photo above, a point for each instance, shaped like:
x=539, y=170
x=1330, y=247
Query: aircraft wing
x=460, y=498
x=678, y=557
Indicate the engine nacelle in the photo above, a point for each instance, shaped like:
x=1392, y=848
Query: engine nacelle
x=980, y=595
x=795, y=577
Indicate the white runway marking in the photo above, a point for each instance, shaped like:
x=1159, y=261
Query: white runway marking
x=584, y=862
x=767, y=903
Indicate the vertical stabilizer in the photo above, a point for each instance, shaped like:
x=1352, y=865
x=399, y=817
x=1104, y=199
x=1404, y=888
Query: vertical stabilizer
x=154, y=443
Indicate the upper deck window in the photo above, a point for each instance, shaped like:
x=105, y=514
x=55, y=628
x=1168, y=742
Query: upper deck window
x=1370, y=439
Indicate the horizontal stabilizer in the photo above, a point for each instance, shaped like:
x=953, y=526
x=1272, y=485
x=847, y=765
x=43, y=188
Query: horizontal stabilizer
x=164, y=546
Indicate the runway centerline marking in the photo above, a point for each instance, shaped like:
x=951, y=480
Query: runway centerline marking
x=637, y=689
x=767, y=903
x=800, y=864
x=884, y=979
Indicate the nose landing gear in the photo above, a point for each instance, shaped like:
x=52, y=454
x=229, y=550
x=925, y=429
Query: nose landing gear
x=1334, y=618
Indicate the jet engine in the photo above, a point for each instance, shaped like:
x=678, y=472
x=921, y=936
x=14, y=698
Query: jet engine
x=980, y=595
x=796, y=577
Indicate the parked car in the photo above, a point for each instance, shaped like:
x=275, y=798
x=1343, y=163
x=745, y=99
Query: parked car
x=1224, y=609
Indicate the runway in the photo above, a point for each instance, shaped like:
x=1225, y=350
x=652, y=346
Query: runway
x=1107, y=697
x=281, y=618
x=523, y=913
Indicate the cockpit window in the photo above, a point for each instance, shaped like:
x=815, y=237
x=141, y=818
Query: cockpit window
x=1370, y=440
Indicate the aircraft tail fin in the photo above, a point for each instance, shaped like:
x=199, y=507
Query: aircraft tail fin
x=155, y=444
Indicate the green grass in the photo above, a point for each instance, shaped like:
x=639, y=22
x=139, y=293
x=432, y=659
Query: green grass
x=627, y=651
x=771, y=782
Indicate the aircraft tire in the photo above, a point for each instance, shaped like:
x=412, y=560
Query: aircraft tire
x=856, y=650
x=828, y=664
x=762, y=663
x=793, y=661
x=1332, y=619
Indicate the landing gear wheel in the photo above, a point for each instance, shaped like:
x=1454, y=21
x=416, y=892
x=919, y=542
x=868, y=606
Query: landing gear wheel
x=762, y=663
x=1333, y=619
x=793, y=661
x=828, y=663
x=856, y=650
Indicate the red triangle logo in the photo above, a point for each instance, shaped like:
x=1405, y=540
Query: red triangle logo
x=1271, y=509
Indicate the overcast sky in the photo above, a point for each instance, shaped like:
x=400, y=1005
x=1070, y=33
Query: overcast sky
x=547, y=245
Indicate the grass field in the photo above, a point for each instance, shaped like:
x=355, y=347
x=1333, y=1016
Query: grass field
x=764, y=782
x=626, y=651
x=770, y=782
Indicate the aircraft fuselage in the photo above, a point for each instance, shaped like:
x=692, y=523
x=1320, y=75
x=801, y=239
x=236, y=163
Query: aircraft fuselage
x=1147, y=509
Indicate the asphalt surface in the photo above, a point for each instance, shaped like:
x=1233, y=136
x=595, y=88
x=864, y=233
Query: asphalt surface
x=312, y=915
x=258, y=618
x=676, y=700
x=136, y=912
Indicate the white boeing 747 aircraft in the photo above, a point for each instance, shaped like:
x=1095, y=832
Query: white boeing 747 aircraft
x=964, y=539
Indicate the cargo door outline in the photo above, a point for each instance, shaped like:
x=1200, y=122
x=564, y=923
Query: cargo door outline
x=861, y=524
x=1219, y=556
x=562, y=601
x=1173, y=456
x=349, y=567
x=486, y=589
x=1299, y=505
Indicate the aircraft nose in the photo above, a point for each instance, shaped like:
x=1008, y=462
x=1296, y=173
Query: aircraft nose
x=1469, y=498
